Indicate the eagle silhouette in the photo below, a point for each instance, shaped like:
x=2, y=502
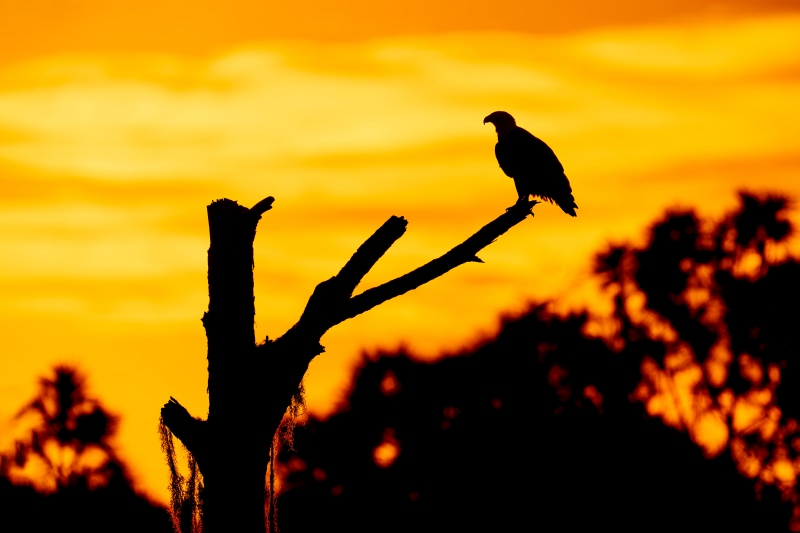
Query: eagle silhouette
x=532, y=164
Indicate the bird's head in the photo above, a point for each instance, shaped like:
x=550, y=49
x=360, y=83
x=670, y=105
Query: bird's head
x=503, y=122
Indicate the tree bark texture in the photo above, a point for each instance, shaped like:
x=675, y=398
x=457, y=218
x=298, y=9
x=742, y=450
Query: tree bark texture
x=250, y=386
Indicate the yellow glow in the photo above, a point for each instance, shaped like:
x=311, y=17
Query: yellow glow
x=107, y=161
x=784, y=472
x=385, y=454
x=711, y=433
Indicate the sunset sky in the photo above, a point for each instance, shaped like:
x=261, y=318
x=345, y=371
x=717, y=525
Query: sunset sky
x=120, y=121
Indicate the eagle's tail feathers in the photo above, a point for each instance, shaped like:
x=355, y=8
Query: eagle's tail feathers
x=567, y=205
x=570, y=210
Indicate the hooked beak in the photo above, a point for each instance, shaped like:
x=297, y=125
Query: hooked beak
x=486, y=120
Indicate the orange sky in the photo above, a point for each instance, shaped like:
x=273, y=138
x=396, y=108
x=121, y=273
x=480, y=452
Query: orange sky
x=118, y=124
x=42, y=27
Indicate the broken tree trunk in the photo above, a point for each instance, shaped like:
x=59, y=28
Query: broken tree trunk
x=251, y=386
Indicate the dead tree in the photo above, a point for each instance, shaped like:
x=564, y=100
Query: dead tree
x=250, y=385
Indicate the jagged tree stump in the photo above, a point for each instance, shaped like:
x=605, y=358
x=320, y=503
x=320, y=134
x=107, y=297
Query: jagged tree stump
x=250, y=386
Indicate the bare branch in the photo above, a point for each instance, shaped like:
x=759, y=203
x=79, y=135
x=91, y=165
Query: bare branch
x=463, y=253
x=332, y=303
x=336, y=291
x=368, y=253
x=263, y=206
x=189, y=430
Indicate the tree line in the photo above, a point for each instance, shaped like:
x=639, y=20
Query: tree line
x=677, y=410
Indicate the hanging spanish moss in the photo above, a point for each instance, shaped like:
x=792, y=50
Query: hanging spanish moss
x=185, y=492
x=191, y=504
x=272, y=518
x=296, y=409
x=284, y=436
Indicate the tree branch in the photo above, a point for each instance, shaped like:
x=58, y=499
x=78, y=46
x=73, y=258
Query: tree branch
x=463, y=253
x=287, y=358
x=332, y=293
x=190, y=431
x=332, y=303
x=368, y=253
x=263, y=206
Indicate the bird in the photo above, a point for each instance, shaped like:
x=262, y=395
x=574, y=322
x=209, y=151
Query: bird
x=532, y=164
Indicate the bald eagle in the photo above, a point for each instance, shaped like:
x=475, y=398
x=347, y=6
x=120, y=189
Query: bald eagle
x=533, y=166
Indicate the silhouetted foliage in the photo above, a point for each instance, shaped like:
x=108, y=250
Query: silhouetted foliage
x=721, y=300
x=550, y=427
x=64, y=475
